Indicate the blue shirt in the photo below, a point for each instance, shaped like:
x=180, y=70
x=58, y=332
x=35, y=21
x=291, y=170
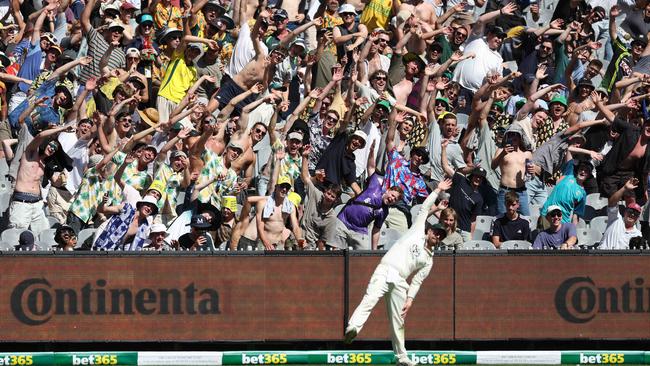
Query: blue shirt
x=31, y=67
x=45, y=115
x=365, y=208
x=567, y=194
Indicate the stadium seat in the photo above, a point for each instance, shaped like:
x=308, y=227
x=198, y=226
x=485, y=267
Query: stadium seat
x=338, y=208
x=588, y=236
x=345, y=197
x=6, y=246
x=433, y=220
x=5, y=199
x=46, y=235
x=84, y=235
x=478, y=245
x=11, y=236
x=534, y=210
x=52, y=221
x=595, y=201
x=581, y=223
x=483, y=225
x=516, y=244
x=533, y=221
x=599, y=223
x=388, y=237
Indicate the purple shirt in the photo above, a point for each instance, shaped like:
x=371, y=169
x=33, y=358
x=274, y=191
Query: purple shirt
x=363, y=209
x=553, y=240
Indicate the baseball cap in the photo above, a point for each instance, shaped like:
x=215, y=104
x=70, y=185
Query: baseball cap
x=25, y=241
x=134, y=52
x=478, y=171
x=284, y=180
x=234, y=144
x=634, y=206
x=294, y=198
x=347, y=8
x=280, y=14
x=438, y=227
x=385, y=104
x=145, y=18
x=229, y=202
x=177, y=154
x=498, y=31
x=295, y=135
x=552, y=208
x=199, y=222
x=115, y=24
x=127, y=6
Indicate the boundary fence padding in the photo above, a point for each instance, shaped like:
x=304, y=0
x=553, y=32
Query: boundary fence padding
x=324, y=357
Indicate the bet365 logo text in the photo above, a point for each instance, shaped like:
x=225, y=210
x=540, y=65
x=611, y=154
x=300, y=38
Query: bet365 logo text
x=602, y=358
x=94, y=360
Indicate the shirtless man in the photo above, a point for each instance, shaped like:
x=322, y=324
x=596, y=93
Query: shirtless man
x=260, y=69
x=511, y=159
x=26, y=208
x=413, y=65
x=271, y=214
x=372, y=55
x=422, y=10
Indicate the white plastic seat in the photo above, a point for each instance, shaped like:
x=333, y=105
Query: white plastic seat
x=12, y=235
x=516, y=244
x=594, y=200
x=478, y=245
x=483, y=225
x=599, y=223
x=46, y=235
x=84, y=235
x=588, y=236
x=388, y=237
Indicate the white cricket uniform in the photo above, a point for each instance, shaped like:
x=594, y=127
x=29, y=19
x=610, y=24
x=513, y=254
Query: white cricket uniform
x=408, y=255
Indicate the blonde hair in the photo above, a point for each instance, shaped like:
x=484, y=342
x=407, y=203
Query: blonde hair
x=447, y=212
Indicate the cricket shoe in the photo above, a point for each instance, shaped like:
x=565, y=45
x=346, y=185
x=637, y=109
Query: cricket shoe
x=350, y=335
x=406, y=362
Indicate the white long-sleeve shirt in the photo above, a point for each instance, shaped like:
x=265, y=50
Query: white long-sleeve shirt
x=410, y=253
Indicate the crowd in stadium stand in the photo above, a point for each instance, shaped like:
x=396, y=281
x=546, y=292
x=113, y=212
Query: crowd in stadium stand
x=323, y=124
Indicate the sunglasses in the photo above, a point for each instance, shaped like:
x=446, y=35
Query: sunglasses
x=259, y=130
x=126, y=120
x=555, y=214
x=53, y=146
x=347, y=15
x=632, y=213
x=380, y=78
x=331, y=118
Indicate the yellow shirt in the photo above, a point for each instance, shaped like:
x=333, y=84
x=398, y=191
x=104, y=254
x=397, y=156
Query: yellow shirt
x=178, y=78
x=376, y=14
x=108, y=88
x=170, y=16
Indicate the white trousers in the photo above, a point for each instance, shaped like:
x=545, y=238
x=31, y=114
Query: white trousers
x=384, y=282
x=28, y=216
x=165, y=108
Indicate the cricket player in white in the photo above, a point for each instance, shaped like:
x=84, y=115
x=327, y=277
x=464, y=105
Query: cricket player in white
x=412, y=253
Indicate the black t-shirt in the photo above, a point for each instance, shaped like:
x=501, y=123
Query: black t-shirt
x=465, y=201
x=339, y=166
x=506, y=229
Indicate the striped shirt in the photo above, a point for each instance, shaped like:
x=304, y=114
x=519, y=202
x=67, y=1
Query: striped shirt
x=97, y=47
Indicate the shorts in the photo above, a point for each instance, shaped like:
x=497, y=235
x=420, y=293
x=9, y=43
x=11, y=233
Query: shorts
x=230, y=90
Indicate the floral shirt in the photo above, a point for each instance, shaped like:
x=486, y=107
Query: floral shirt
x=90, y=192
x=214, y=167
x=318, y=141
x=171, y=180
x=140, y=180
x=544, y=133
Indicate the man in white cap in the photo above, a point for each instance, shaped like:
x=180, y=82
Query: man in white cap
x=349, y=35
x=559, y=235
